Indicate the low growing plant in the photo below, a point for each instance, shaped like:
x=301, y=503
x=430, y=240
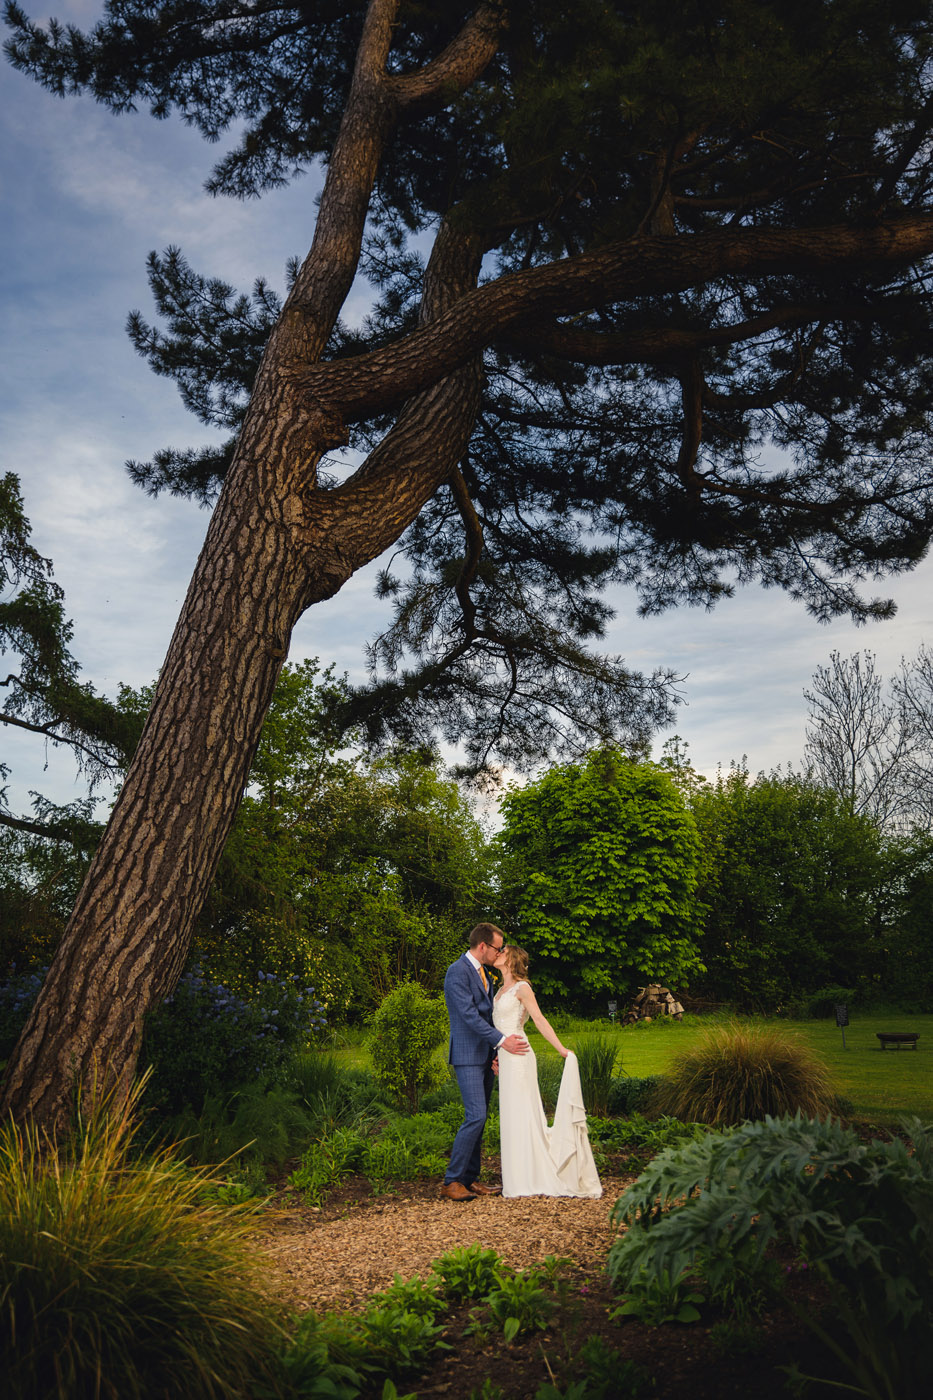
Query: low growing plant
x=740, y=1072
x=469, y=1271
x=608, y=1376
x=342, y=1356
x=656, y=1298
x=860, y=1213
x=521, y=1303
x=325, y=1163
x=653, y=1134
x=403, y=1150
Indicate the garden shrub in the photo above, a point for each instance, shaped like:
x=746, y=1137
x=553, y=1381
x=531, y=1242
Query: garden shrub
x=255, y=1124
x=118, y=1278
x=334, y=1097
x=204, y=1039
x=748, y=1071
x=821, y=1005
x=860, y=1213
x=406, y=1030
x=628, y=1096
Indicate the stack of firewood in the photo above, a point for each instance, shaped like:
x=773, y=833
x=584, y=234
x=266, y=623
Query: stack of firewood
x=653, y=1000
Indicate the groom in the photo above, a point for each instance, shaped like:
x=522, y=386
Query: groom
x=473, y=1045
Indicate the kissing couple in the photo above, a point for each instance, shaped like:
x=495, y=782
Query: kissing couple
x=486, y=1040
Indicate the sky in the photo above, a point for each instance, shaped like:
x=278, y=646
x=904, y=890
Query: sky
x=85, y=197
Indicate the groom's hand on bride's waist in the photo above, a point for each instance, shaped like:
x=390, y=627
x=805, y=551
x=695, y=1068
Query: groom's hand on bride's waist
x=515, y=1044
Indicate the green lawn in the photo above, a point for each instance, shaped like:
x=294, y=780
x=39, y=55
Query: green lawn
x=883, y=1085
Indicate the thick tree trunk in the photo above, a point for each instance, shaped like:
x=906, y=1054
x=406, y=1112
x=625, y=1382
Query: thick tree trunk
x=276, y=544
x=271, y=551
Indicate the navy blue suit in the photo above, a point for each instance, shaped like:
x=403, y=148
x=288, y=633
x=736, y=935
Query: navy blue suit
x=473, y=1040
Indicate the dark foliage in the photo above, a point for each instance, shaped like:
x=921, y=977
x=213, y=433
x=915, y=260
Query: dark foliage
x=685, y=439
x=204, y=1039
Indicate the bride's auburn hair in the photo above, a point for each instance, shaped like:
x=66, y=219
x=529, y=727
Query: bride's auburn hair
x=517, y=962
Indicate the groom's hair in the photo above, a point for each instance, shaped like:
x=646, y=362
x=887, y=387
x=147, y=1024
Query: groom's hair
x=484, y=933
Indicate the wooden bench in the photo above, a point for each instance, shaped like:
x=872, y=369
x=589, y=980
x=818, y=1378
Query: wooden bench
x=898, y=1038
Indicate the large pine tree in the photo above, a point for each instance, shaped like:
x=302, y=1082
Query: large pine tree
x=651, y=305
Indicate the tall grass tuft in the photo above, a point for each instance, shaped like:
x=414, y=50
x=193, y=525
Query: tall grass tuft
x=740, y=1072
x=118, y=1279
x=597, y=1059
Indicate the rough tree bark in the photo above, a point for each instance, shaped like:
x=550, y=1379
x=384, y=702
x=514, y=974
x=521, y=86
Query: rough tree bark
x=278, y=543
x=275, y=546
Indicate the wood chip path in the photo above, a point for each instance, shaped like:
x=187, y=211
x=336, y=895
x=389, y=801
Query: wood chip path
x=323, y=1261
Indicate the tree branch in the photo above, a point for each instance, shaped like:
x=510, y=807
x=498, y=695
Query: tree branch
x=668, y=343
x=691, y=392
x=50, y=733
x=54, y=831
x=474, y=548
x=454, y=70
x=375, y=382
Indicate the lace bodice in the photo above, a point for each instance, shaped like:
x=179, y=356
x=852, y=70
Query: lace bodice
x=508, y=1014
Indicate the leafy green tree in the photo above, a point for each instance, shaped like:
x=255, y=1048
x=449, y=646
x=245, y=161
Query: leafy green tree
x=39, y=879
x=790, y=879
x=617, y=251
x=599, y=876
x=355, y=872
x=903, y=971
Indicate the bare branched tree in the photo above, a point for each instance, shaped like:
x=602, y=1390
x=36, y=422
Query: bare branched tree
x=860, y=739
x=913, y=687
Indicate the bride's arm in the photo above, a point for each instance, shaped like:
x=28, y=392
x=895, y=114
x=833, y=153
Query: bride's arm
x=530, y=1002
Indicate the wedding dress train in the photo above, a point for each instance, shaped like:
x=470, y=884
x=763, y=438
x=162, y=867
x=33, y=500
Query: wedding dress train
x=538, y=1160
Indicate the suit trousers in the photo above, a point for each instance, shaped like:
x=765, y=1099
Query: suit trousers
x=475, y=1083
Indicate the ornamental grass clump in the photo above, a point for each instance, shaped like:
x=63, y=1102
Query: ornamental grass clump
x=597, y=1059
x=745, y=1072
x=118, y=1279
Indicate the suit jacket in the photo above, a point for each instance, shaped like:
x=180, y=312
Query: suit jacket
x=473, y=1037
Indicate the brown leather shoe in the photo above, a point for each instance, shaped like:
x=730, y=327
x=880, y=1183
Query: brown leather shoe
x=482, y=1190
x=456, y=1191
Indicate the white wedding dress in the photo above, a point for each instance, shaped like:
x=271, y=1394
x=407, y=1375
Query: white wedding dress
x=538, y=1160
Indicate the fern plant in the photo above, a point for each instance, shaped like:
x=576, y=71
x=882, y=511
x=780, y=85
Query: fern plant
x=861, y=1213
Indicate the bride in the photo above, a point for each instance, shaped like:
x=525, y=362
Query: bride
x=537, y=1160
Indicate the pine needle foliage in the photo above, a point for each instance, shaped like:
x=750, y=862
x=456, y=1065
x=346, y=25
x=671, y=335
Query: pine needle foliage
x=118, y=1279
x=740, y=1072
